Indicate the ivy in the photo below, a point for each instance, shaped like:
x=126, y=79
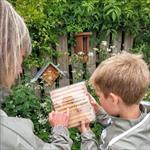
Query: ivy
x=47, y=20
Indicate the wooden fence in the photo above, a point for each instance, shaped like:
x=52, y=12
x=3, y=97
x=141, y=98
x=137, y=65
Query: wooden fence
x=77, y=68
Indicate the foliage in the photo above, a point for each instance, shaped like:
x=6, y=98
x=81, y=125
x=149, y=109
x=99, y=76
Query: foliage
x=144, y=49
x=49, y=19
x=147, y=96
x=24, y=103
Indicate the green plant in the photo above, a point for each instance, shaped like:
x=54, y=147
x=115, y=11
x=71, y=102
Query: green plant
x=23, y=103
x=147, y=96
x=48, y=20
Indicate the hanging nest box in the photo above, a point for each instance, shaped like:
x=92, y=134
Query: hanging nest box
x=82, y=43
x=49, y=73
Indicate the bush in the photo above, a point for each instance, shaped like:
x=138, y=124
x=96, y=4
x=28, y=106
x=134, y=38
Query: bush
x=24, y=103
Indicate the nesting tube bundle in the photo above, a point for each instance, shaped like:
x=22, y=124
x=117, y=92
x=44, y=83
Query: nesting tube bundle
x=75, y=97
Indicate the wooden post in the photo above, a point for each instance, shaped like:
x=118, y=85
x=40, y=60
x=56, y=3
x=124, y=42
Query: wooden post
x=77, y=67
x=128, y=42
x=91, y=64
x=36, y=85
x=63, y=60
x=117, y=42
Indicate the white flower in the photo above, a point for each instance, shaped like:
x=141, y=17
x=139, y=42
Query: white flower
x=43, y=105
x=108, y=50
x=42, y=121
x=112, y=47
x=90, y=54
x=80, y=53
x=79, y=74
x=95, y=49
x=74, y=71
x=104, y=43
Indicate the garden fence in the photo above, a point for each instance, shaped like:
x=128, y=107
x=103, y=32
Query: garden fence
x=78, y=68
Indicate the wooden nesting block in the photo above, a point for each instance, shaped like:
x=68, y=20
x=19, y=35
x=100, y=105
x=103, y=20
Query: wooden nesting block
x=50, y=74
x=76, y=99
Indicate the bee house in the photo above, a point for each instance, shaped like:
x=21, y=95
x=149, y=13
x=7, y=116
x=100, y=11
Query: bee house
x=76, y=99
x=48, y=73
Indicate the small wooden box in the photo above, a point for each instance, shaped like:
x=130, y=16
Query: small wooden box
x=82, y=43
x=76, y=99
x=48, y=73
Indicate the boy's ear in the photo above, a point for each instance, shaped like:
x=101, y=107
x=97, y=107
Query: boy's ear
x=114, y=98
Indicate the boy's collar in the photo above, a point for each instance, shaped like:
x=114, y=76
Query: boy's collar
x=143, y=109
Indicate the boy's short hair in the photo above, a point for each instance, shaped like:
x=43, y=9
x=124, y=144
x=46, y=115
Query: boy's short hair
x=126, y=75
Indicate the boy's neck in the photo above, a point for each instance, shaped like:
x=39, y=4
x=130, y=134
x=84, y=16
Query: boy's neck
x=130, y=112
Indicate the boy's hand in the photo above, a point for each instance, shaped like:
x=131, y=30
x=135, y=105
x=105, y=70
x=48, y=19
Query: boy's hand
x=59, y=118
x=95, y=105
x=84, y=127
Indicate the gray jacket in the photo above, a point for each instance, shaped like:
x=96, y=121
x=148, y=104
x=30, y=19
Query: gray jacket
x=17, y=134
x=117, y=135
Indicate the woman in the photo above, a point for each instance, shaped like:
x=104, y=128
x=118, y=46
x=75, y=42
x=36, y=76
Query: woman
x=17, y=133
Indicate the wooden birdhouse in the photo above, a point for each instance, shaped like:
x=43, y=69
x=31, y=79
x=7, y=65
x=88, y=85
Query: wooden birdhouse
x=82, y=43
x=48, y=74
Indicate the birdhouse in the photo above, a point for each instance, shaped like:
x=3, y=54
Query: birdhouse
x=82, y=43
x=49, y=73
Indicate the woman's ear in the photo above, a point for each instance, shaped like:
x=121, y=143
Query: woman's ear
x=114, y=98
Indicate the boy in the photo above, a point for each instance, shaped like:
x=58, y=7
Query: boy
x=120, y=82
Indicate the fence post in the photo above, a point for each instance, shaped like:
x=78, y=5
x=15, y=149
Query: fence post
x=63, y=60
x=117, y=42
x=36, y=85
x=128, y=41
x=91, y=64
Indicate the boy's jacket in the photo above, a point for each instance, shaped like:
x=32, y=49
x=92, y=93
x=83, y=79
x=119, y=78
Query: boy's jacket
x=137, y=139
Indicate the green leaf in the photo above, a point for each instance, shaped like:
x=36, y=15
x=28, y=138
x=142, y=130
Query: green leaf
x=113, y=16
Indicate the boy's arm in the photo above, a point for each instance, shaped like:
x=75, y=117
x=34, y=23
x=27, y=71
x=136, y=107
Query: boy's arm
x=88, y=141
x=102, y=117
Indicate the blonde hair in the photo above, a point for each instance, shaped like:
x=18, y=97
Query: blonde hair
x=14, y=37
x=126, y=75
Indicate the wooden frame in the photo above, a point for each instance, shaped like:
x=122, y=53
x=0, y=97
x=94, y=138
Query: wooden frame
x=49, y=73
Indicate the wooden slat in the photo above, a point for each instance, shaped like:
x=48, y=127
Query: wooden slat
x=117, y=42
x=91, y=64
x=36, y=84
x=77, y=67
x=63, y=60
x=128, y=41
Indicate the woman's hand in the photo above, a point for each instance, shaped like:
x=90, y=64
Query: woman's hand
x=59, y=118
